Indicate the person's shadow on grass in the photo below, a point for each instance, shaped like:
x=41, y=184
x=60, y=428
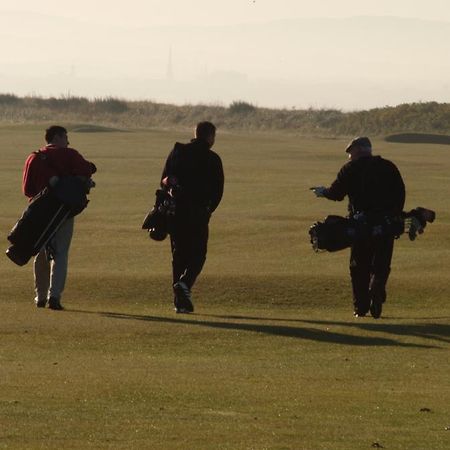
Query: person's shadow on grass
x=311, y=332
x=434, y=331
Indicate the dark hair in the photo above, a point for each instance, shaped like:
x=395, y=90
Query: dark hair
x=205, y=129
x=54, y=130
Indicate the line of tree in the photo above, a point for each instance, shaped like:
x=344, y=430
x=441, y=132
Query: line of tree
x=426, y=117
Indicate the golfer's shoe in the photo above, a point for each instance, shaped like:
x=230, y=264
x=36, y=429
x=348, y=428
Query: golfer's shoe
x=359, y=312
x=178, y=308
x=375, y=309
x=40, y=303
x=54, y=303
x=183, y=299
x=181, y=310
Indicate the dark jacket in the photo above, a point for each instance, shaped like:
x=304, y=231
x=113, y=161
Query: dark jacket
x=373, y=186
x=199, y=173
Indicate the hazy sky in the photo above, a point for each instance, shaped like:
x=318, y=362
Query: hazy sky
x=348, y=54
x=213, y=12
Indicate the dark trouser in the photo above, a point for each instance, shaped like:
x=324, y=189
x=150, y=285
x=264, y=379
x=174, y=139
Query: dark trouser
x=189, y=241
x=370, y=265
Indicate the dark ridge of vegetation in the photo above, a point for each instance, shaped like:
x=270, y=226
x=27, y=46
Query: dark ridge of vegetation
x=239, y=107
x=9, y=99
x=419, y=138
x=111, y=105
x=77, y=104
x=429, y=118
x=89, y=128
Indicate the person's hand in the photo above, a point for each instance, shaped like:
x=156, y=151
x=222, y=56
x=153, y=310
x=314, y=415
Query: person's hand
x=319, y=191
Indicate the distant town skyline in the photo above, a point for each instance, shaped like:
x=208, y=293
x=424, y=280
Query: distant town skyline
x=295, y=54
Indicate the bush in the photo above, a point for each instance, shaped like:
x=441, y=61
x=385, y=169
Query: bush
x=9, y=99
x=60, y=103
x=111, y=105
x=240, y=107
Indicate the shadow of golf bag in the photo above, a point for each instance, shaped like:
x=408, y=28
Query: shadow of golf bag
x=338, y=233
x=157, y=220
x=46, y=212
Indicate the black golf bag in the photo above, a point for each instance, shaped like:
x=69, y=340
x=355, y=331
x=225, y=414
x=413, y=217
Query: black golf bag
x=157, y=220
x=44, y=215
x=337, y=233
x=334, y=233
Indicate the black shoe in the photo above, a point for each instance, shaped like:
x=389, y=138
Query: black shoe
x=375, y=309
x=358, y=312
x=181, y=310
x=183, y=300
x=41, y=303
x=54, y=303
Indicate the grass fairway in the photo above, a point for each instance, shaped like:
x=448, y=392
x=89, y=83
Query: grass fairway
x=272, y=358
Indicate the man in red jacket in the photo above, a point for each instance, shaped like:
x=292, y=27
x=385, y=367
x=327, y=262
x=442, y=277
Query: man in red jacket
x=56, y=160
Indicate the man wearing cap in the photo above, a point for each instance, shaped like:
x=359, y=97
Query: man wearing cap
x=376, y=191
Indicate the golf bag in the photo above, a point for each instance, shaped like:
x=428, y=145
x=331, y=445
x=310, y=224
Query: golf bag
x=157, y=220
x=337, y=233
x=46, y=212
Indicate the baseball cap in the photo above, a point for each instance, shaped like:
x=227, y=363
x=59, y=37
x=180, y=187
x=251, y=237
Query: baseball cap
x=360, y=142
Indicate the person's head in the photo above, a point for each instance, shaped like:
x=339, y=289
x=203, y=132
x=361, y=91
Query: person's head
x=206, y=131
x=56, y=135
x=359, y=147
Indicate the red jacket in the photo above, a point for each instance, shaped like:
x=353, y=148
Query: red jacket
x=59, y=162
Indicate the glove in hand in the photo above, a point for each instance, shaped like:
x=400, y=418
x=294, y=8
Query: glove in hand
x=319, y=191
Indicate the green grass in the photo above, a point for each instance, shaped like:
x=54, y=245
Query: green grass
x=272, y=358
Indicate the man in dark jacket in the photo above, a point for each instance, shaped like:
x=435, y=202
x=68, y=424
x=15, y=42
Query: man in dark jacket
x=50, y=264
x=195, y=174
x=376, y=194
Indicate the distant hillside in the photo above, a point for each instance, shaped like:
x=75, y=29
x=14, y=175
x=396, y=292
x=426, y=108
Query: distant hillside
x=431, y=117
